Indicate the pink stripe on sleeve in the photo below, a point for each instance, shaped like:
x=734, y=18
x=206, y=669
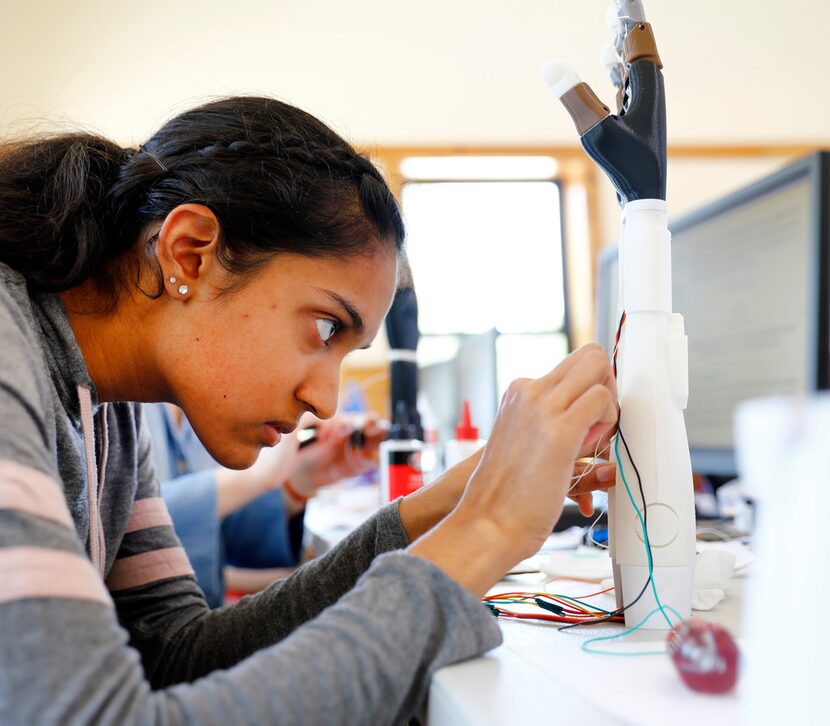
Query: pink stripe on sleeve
x=29, y=490
x=146, y=513
x=147, y=567
x=35, y=572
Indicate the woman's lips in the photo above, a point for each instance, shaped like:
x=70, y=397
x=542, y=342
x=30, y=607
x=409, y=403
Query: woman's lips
x=274, y=431
x=272, y=434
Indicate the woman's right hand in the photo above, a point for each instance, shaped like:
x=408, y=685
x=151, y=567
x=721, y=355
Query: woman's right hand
x=517, y=491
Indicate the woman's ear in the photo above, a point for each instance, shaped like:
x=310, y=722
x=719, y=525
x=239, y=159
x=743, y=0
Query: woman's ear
x=186, y=248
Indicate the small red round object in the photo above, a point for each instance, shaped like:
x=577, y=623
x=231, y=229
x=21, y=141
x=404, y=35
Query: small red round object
x=705, y=656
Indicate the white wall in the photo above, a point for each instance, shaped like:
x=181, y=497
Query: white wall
x=431, y=71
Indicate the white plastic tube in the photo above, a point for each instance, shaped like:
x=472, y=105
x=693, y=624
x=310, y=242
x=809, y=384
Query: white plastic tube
x=652, y=381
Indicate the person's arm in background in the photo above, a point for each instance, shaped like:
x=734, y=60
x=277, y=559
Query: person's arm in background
x=256, y=550
x=235, y=489
x=332, y=456
x=329, y=459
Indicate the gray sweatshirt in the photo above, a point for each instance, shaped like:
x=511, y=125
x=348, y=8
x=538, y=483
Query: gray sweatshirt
x=101, y=620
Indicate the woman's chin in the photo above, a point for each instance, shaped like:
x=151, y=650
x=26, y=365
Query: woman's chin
x=236, y=456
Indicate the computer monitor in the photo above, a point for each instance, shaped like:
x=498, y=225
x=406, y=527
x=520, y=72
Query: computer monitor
x=750, y=277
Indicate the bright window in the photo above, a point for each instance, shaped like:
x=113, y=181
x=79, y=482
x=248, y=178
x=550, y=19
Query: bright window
x=487, y=253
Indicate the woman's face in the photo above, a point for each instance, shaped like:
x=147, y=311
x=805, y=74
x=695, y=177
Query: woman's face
x=244, y=365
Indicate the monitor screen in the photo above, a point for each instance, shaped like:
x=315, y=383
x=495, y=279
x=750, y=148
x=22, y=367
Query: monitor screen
x=749, y=278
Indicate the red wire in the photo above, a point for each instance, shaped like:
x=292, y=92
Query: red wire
x=617, y=342
x=594, y=594
x=553, y=618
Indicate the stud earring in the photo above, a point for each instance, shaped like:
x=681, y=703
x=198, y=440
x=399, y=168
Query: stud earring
x=172, y=280
x=183, y=289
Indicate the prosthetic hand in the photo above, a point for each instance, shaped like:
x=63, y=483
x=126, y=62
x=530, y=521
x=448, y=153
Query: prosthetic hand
x=651, y=508
x=629, y=147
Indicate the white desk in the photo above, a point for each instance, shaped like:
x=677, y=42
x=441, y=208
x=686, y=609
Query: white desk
x=540, y=675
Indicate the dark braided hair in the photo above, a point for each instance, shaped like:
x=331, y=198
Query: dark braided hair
x=277, y=179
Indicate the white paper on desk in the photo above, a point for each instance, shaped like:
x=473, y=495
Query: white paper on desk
x=580, y=564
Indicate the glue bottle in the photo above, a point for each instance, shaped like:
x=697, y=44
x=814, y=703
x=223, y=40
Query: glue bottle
x=400, y=458
x=466, y=441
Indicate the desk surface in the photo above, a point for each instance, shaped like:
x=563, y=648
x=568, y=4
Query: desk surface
x=541, y=673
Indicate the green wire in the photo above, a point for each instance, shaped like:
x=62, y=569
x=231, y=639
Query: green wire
x=623, y=634
x=643, y=525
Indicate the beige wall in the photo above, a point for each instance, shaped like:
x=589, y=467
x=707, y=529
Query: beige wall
x=433, y=72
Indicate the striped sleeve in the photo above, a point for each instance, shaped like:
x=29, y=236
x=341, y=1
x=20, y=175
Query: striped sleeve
x=45, y=567
x=65, y=658
x=149, y=552
x=58, y=626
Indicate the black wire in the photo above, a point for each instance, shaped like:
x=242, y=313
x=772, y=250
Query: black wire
x=617, y=342
x=621, y=610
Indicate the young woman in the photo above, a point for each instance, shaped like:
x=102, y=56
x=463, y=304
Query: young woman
x=227, y=266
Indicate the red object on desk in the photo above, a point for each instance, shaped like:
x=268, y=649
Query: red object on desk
x=705, y=656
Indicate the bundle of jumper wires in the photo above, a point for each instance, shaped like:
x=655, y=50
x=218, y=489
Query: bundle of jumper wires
x=558, y=608
x=571, y=611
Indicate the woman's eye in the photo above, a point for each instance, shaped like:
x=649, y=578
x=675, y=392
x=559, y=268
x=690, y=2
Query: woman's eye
x=326, y=328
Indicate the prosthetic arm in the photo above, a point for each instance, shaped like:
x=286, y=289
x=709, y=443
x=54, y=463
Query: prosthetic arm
x=651, y=508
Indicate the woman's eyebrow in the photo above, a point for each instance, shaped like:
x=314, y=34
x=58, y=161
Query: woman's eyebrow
x=356, y=320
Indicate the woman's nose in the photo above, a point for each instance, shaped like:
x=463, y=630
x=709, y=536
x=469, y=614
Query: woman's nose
x=320, y=391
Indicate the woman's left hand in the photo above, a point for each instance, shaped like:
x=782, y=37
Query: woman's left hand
x=332, y=456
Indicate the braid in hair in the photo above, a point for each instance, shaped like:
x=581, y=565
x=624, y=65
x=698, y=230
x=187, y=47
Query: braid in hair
x=277, y=179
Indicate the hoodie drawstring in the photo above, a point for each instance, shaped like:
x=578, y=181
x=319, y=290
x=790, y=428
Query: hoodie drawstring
x=95, y=478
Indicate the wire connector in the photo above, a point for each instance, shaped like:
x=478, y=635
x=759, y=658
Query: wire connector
x=555, y=609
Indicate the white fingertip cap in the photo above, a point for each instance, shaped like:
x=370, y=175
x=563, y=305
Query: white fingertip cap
x=609, y=57
x=559, y=78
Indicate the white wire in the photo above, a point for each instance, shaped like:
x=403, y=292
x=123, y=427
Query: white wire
x=591, y=531
x=595, y=460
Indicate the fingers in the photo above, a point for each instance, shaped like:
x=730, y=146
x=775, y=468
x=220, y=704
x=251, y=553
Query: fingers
x=374, y=433
x=598, y=478
x=593, y=413
x=563, y=388
x=585, y=502
x=589, y=366
x=600, y=448
x=578, y=358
